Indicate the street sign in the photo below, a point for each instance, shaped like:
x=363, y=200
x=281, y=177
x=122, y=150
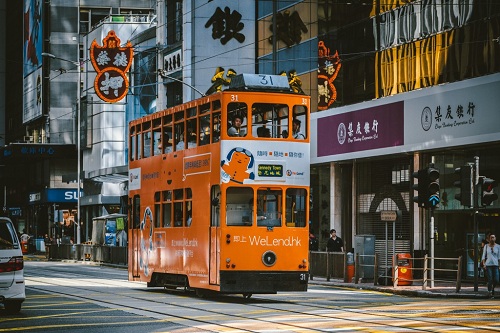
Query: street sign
x=388, y=215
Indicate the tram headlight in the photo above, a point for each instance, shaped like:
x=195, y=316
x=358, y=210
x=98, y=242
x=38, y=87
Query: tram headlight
x=269, y=258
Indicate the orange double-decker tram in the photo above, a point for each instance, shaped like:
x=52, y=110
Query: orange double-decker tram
x=219, y=191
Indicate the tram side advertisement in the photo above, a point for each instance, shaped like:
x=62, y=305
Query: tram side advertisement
x=246, y=162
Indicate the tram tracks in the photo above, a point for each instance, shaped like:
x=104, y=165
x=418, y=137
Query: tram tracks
x=247, y=315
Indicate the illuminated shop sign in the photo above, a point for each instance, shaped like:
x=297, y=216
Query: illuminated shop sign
x=111, y=63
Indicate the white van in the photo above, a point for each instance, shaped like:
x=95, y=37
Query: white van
x=12, y=287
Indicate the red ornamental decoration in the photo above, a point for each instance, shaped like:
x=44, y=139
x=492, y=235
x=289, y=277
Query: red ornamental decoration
x=111, y=62
x=328, y=69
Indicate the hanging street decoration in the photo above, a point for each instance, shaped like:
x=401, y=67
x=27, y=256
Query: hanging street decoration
x=328, y=69
x=111, y=63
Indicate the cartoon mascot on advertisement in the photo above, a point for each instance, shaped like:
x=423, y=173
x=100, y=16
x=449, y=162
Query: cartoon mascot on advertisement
x=238, y=166
x=146, y=227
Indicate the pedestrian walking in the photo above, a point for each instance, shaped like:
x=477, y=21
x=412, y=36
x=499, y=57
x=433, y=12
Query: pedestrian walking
x=46, y=243
x=334, y=244
x=491, y=260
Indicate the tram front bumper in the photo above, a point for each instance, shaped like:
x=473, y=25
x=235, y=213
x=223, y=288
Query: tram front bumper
x=261, y=282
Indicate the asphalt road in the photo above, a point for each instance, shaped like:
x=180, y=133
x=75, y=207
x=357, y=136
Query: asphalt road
x=68, y=297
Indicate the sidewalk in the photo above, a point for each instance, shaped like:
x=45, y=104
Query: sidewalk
x=440, y=290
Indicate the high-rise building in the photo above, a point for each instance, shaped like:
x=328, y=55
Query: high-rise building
x=54, y=125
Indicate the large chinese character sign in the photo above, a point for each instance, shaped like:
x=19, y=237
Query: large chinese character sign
x=111, y=62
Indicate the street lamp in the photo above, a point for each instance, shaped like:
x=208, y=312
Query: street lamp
x=78, y=148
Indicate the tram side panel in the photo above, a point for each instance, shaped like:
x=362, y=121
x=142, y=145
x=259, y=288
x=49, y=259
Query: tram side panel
x=177, y=254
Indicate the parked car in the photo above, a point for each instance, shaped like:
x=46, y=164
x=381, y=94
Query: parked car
x=12, y=286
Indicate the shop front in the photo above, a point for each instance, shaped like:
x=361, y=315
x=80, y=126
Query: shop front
x=53, y=212
x=365, y=155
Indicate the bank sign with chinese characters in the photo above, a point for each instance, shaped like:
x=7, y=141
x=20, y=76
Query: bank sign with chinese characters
x=454, y=114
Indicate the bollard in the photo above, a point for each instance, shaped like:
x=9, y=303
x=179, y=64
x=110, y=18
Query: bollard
x=350, y=267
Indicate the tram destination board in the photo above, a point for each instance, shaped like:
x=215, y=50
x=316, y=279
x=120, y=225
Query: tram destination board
x=270, y=170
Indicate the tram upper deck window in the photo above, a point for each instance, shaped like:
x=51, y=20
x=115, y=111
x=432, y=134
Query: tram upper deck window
x=157, y=142
x=270, y=120
x=216, y=124
x=179, y=135
x=133, y=143
x=191, y=136
x=147, y=144
x=299, y=123
x=167, y=139
x=139, y=146
x=216, y=105
x=236, y=114
x=239, y=205
x=204, y=130
x=191, y=112
x=204, y=108
x=157, y=136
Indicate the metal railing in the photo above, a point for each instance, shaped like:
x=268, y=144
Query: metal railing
x=408, y=268
x=366, y=268
x=329, y=265
x=98, y=253
x=457, y=271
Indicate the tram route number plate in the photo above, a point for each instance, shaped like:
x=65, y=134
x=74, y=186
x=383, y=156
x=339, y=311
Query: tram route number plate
x=270, y=170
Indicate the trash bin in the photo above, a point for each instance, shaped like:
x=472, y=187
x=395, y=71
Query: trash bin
x=350, y=267
x=24, y=246
x=405, y=269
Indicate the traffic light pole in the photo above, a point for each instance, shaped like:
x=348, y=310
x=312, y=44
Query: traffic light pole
x=476, y=228
x=428, y=197
x=431, y=241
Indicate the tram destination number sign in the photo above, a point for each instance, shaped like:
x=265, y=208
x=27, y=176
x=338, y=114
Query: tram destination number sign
x=270, y=170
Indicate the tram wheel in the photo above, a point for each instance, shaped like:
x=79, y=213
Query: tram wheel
x=247, y=296
x=200, y=293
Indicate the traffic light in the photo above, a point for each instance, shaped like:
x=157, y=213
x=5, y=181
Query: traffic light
x=465, y=184
x=421, y=187
x=487, y=194
x=432, y=186
x=427, y=187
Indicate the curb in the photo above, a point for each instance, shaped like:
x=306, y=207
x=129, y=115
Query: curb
x=405, y=292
